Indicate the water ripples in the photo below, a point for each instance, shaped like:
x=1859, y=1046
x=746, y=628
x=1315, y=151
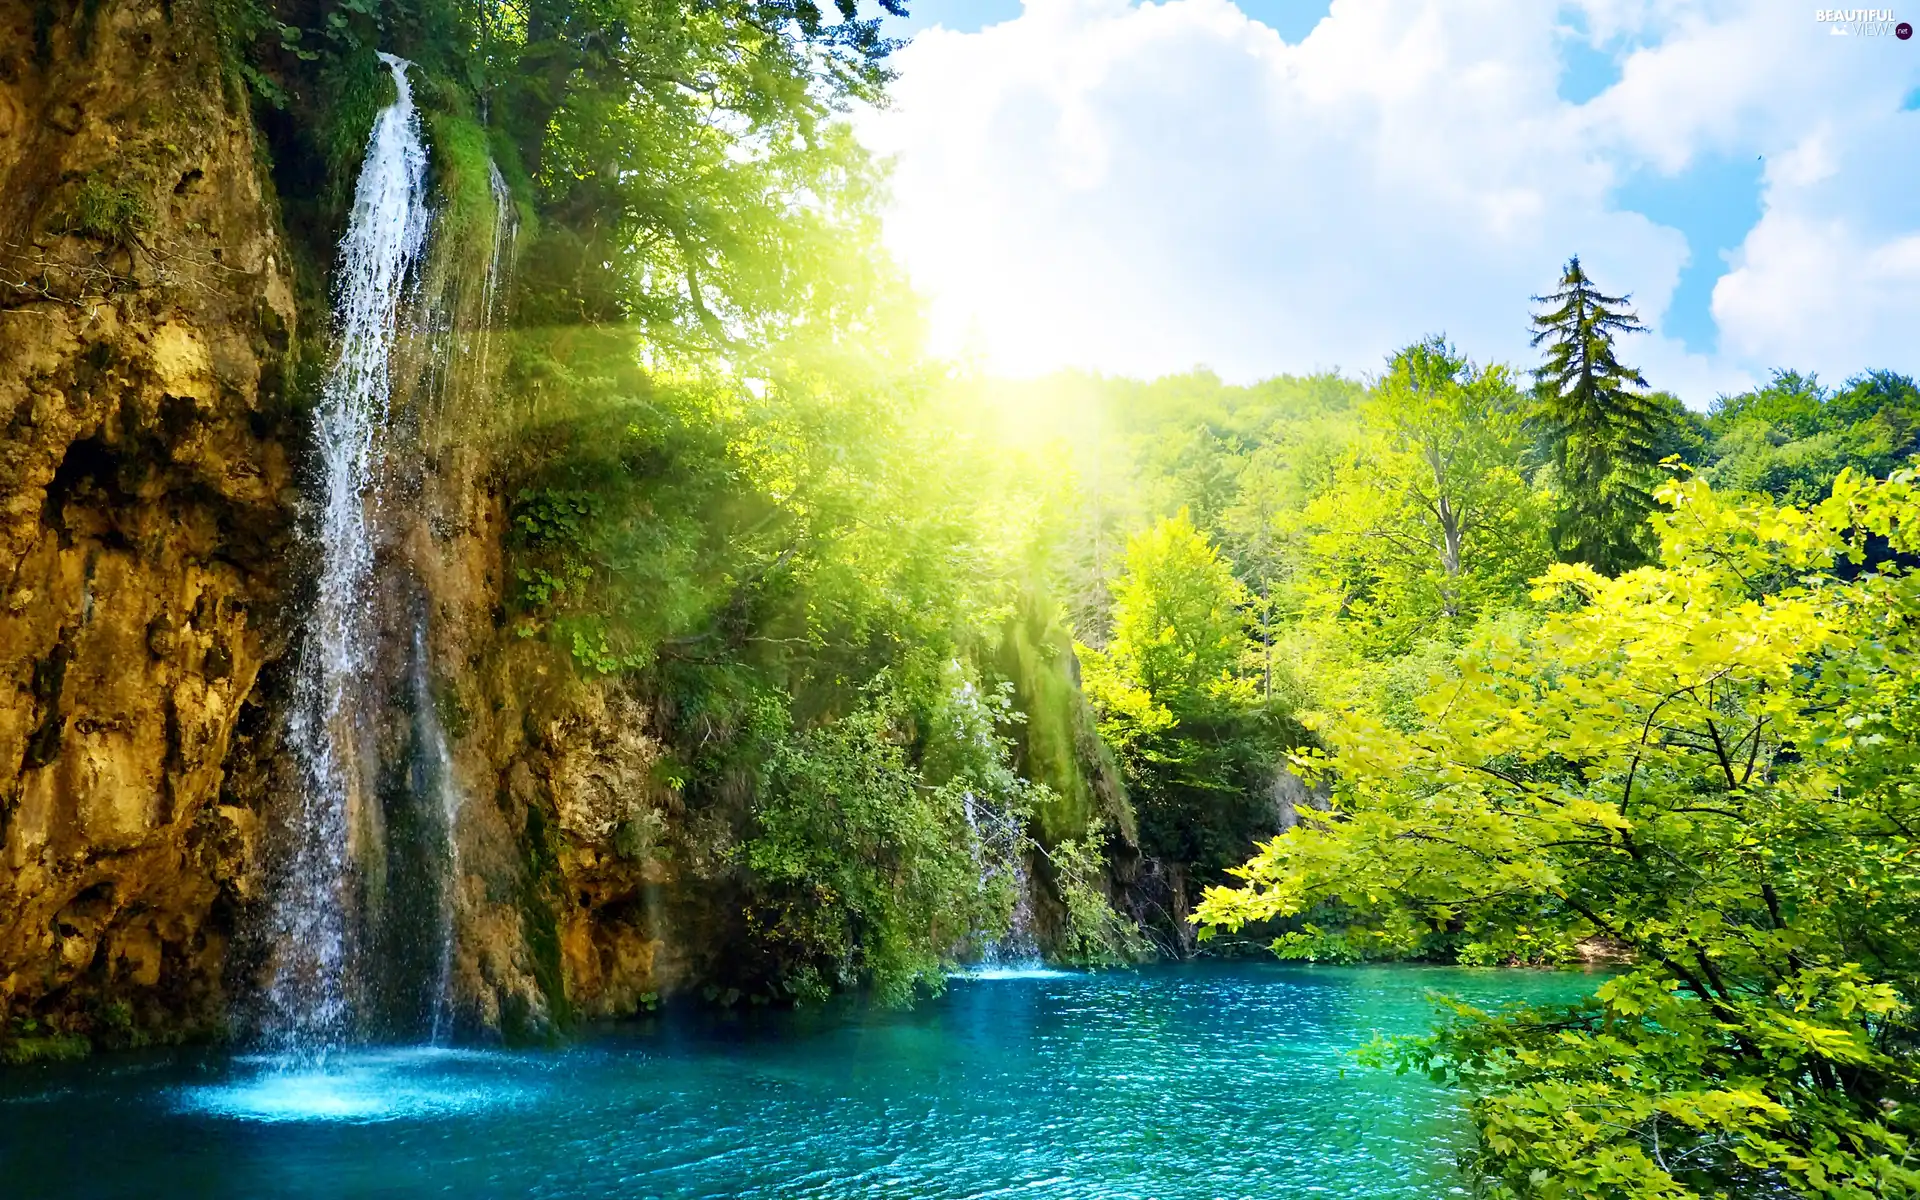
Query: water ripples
x=1171, y=1084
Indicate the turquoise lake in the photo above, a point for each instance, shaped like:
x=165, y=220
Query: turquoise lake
x=1169, y=1082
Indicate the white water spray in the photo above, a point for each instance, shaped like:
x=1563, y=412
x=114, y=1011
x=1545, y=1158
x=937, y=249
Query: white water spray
x=433, y=773
x=506, y=228
x=310, y=995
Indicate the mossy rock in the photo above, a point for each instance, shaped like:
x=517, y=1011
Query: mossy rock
x=108, y=209
x=1060, y=745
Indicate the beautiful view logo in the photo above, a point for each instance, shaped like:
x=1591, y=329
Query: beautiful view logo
x=1862, y=22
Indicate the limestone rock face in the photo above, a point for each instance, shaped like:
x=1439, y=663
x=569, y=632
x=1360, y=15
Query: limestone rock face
x=145, y=511
x=641, y=880
x=593, y=889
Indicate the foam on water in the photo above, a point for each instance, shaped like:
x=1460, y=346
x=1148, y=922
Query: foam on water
x=361, y=1087
x=990, y=971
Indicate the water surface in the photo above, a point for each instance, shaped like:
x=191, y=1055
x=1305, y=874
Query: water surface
x=1168, y=1083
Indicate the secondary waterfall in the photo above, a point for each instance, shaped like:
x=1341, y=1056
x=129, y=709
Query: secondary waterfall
x=1000, y=843
x=433, y=776
x=998, y=837
x=499, y=258
x=311, y=991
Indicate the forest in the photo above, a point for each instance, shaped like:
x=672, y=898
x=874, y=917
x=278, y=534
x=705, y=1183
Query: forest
x=1442, y=660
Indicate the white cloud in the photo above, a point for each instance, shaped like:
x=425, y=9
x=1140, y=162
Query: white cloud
x=1815, y=292
x=1139, y=188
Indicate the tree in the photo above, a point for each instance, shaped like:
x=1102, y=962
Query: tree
x=1430, y=514
x=688, y=161
x=1175, y=700
x=1602, y=430
x=1723, y=781
x=1791, y=438
x=1177, y=616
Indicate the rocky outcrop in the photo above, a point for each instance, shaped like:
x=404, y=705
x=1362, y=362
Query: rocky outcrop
x=1288, y=794
x=148, y=552
x=146, y=316
x=584, y=886
x=626, y=889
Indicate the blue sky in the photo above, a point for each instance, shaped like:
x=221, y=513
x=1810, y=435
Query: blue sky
x=1282, y=185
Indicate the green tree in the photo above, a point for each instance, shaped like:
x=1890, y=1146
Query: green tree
x=1178, y=616
x=1791, y=438
x=1430, y=515
x=1603, y=431
x=863, y=869
x=1176, y=697
x=1722, y=781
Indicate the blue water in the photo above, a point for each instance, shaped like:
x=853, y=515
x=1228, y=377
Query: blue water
x=1177, y=1082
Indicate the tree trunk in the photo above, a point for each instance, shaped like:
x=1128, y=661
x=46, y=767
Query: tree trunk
x=1450, y=536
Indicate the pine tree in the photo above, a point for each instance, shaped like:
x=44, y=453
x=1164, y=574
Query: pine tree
x=1602, y=427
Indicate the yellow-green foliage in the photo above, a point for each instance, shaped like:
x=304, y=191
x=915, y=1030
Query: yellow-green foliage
x=1713, y=761
x=1178, y=700
x=1179, y=624
x=1428, y=519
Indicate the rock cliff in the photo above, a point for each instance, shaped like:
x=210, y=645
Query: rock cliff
x=146, y=317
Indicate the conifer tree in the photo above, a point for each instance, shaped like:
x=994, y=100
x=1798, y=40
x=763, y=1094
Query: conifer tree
x=1602, y=427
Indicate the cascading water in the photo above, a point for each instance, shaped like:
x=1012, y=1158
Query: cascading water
x=452, y=412
x=311, y=992
x=998, y=838
x=433, y=776
x=505, y=230
x=999, y=845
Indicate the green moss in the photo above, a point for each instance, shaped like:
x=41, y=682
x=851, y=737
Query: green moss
x=461, y=152
x=456, y=720
x=116, y=1027
x=107, y=209
x=355, y=88
x=83, y=30
x=542, y=931
x=1060, y=746
x=44, y=18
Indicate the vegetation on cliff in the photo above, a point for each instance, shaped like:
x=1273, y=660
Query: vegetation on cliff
x=734, y=489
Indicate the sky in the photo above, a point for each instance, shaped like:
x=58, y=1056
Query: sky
x=1294, y=185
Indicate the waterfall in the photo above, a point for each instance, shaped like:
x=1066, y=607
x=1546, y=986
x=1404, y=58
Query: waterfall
x=1018, y=947
x=454, y=416
x=500, y=258
x=997, y=836
x=310, y=995
x=433, y=776
x=999, y=844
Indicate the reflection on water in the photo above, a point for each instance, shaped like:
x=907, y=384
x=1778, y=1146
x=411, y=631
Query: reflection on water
x=1193, y=1083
